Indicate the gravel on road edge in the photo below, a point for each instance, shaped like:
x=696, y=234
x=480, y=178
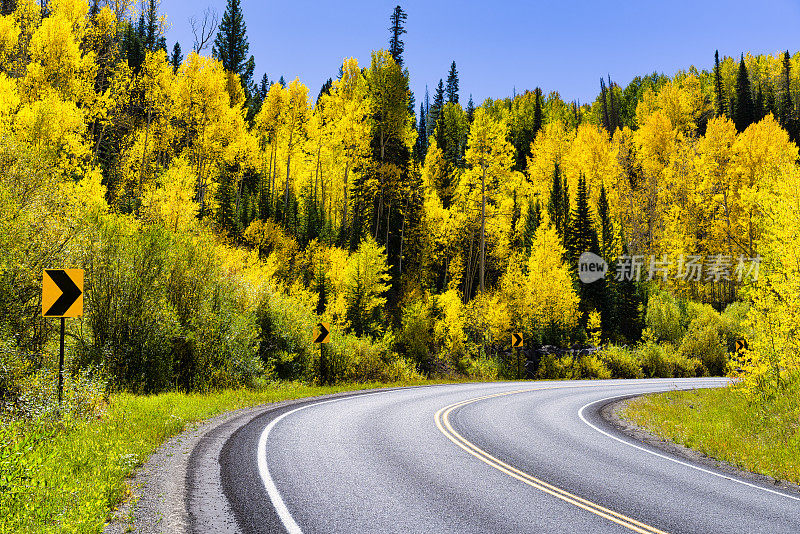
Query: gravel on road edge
x=612, y=414
x=166, y=488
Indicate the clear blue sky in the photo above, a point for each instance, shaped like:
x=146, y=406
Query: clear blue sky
x=499, y=45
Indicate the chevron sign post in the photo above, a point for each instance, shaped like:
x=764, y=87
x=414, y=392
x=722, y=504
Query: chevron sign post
x=516, y=344
x=62, y=296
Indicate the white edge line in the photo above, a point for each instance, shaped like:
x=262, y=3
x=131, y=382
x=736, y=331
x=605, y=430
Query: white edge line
x=654, y=453
x=286, y=518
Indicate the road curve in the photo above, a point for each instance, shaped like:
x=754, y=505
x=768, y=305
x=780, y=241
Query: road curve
x=479, y=458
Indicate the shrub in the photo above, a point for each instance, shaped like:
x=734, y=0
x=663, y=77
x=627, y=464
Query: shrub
x=703, y=342
x=416, y=336
x=663, y=318
x=590, y=366
x=364, y=287
x=621, y=362
x=554, y=367
x=482, y=368
x=400, y=370
x=654, y=360
x=129, y=317
x=284, y=343
x=734, y=323
x=37, y=398
x=684, y=366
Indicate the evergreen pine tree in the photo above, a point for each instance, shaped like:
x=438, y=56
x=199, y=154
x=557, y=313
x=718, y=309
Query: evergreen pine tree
x=470, y=109
x=452, y=84
x=532, y=222
x=583, y=237
x=177, y=57
x=629, y=306
x=263, y=88
x=608, y=295
x=436, y=108
x=555, y=205
x=759, y=111
x=786, y=90
x=282, y=82
x=231, y=45
x=132, y=44
x=325, y=89
x=537, y=111
x=607, y=237
x=397, y=29
x=743, y=116
x=226, y=214
x=421, y=145
x=613, y=111
x=151, y=29
x=604, y=97
x=720, y=92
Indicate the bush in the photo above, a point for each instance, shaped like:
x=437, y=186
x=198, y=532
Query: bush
x=285, y=345
x=482, y=368
x=684, y=366
x=663, y=318
x=554, y=367
x=416, y=336
x=37, y=397
x=733, y=323
x=654, y=361
x=703, y=342
x=590, y=366
x=621, y=362
x=129, y=318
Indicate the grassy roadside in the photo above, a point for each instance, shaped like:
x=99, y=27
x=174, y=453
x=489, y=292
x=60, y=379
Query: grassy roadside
x=760, y=436
x=68, y=477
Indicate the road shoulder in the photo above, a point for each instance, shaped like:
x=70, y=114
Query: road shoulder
x=611, y=414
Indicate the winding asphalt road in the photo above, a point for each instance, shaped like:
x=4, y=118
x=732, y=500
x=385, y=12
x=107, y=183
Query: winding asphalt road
x=479, y=458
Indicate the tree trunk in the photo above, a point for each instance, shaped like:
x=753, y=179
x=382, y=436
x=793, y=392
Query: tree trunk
x=483, y=223
x=288, y=167
x=344, y=207
x=402, y=236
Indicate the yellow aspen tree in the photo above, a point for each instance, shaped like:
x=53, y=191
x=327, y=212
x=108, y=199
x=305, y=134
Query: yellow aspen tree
x=295, y=119
x=489, y=158
x=347, y=110
x=267, y=124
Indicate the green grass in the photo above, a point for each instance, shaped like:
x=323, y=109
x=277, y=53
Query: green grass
x=756, y=435
x=70, y=475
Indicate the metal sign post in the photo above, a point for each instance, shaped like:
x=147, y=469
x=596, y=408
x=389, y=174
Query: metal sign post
x=62, y=296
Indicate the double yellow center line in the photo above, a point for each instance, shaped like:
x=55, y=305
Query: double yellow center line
x=443, y=424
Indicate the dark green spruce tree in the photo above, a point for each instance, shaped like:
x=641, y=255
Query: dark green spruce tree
x=537, y=112
x=452, y=84
x=532, y=222
x=396, y=31
x=630, y=303
x=470, y=109
x=583, y=238
x=421, y=145
x=743, y=113
x=786, y=90
x=722, y=101
x=557, y=209
x=787, y=113
x=608, y=304
x=436, y=109
x=231, y=46
x=177, y=57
